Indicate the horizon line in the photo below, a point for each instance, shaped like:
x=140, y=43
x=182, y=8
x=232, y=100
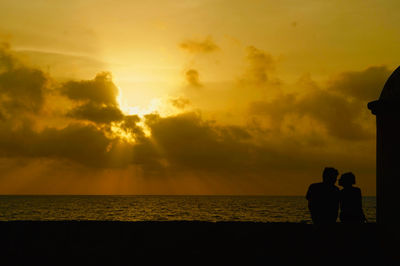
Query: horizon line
x=222, y=195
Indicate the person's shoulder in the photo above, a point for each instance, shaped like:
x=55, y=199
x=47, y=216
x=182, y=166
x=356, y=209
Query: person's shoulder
x=316, y=184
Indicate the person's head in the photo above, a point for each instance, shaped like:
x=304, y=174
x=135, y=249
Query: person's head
x=329, y=175
x=347, y=179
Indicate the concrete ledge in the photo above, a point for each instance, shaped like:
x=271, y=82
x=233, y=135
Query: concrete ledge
x=190, y=243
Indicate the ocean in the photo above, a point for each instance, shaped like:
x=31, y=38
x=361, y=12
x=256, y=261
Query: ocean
x=163, y=208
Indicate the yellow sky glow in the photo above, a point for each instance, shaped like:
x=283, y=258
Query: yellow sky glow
x=231, y=97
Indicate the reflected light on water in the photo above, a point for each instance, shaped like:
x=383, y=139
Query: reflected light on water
x=163, y=208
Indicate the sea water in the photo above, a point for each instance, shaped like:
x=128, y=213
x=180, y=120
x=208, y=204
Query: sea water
x=163, y=208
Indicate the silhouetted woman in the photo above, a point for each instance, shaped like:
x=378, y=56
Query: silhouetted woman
x=350, y=200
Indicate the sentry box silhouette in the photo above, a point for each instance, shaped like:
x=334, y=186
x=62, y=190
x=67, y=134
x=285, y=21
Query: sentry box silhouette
x=387, y=111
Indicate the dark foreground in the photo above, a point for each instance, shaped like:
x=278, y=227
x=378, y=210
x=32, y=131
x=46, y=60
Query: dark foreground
x=189, y=243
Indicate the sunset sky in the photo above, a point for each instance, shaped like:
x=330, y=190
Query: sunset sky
x=189, y=96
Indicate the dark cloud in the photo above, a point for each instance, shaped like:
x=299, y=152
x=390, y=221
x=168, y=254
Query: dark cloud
x=81, y=143
x=100, y=90
x=194, y=46
x=192, y=77
x=7, y=60
x=189, y=143
x=97, y=113
x=96, y=99
x=364, y=85
x=337, y=112
x=84, y=144
x=22, y=88
x=192, y=144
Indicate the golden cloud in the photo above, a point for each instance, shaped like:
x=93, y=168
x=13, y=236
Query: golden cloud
x=194, y=46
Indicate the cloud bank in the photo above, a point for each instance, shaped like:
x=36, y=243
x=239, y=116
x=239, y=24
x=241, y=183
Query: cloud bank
x=287, y=137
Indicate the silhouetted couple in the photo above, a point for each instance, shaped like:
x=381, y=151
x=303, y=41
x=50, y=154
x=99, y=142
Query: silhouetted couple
x=324, y=199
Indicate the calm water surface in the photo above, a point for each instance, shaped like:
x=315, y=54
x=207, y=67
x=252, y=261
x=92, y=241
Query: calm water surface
x=163, y=208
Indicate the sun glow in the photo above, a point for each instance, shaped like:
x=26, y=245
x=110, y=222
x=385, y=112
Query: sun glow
x=152, y=107
x=141, y=111
x=158, y=106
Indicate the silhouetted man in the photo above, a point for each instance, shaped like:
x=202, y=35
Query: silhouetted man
x=323, y=198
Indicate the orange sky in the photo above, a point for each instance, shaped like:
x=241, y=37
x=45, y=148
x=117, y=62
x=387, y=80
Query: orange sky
x=190, y=97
